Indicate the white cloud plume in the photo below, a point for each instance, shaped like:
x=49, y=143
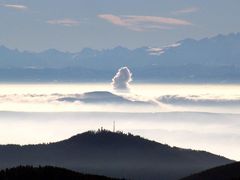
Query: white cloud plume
x=144, y=23
x=14, y=6
x=122, y=79
x=64, y=22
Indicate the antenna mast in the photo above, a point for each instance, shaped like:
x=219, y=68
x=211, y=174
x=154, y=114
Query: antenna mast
x=113, y=126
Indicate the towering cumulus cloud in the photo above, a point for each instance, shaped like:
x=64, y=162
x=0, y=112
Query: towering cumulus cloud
x=122, y=79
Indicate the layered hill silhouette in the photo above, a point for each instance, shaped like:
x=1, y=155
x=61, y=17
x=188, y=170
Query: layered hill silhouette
x=226, y=172
x=46, y=173
x=114, y=155
x=210, y=59
x=105, y=97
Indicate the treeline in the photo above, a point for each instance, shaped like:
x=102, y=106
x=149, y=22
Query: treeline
x=46, y=173
x=226, y=172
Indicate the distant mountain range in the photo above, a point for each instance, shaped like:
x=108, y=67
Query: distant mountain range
x=114, y=155
x=226, y=172
x=214, y=59
x=46, y=173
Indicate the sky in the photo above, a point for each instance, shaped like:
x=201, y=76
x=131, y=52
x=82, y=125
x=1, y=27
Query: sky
x=71, y=25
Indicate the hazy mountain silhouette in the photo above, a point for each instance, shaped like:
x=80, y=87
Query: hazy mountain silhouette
x=198, y=101
x=46, y=173
x=226, y=172
x=210, y=59
x=112, y=154
x=104, y=97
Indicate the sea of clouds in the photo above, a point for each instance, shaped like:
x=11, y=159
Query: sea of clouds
x=126, y=102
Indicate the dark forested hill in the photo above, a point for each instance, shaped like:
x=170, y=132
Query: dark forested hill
x=226, y=172
x=112, y=154
x=46, y=173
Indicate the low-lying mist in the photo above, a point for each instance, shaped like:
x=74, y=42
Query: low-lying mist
x=106, y=101
x=202, y=117
x=217, y=133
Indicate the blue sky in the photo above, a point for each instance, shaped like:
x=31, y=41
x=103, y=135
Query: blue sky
x=71, y=25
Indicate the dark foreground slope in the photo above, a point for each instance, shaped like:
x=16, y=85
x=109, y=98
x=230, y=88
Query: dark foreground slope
x=114, y=155
x=46, y=173
x=226, y=172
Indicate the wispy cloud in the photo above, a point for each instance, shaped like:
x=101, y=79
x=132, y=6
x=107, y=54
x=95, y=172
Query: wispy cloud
x=64, y=22
x=14, y=6
x=186, y=10
x=143, y=23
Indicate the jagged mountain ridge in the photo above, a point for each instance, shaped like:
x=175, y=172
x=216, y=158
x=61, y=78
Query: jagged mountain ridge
x=216, y=59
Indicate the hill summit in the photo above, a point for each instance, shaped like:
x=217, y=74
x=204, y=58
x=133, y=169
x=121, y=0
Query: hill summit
x=112, y=154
